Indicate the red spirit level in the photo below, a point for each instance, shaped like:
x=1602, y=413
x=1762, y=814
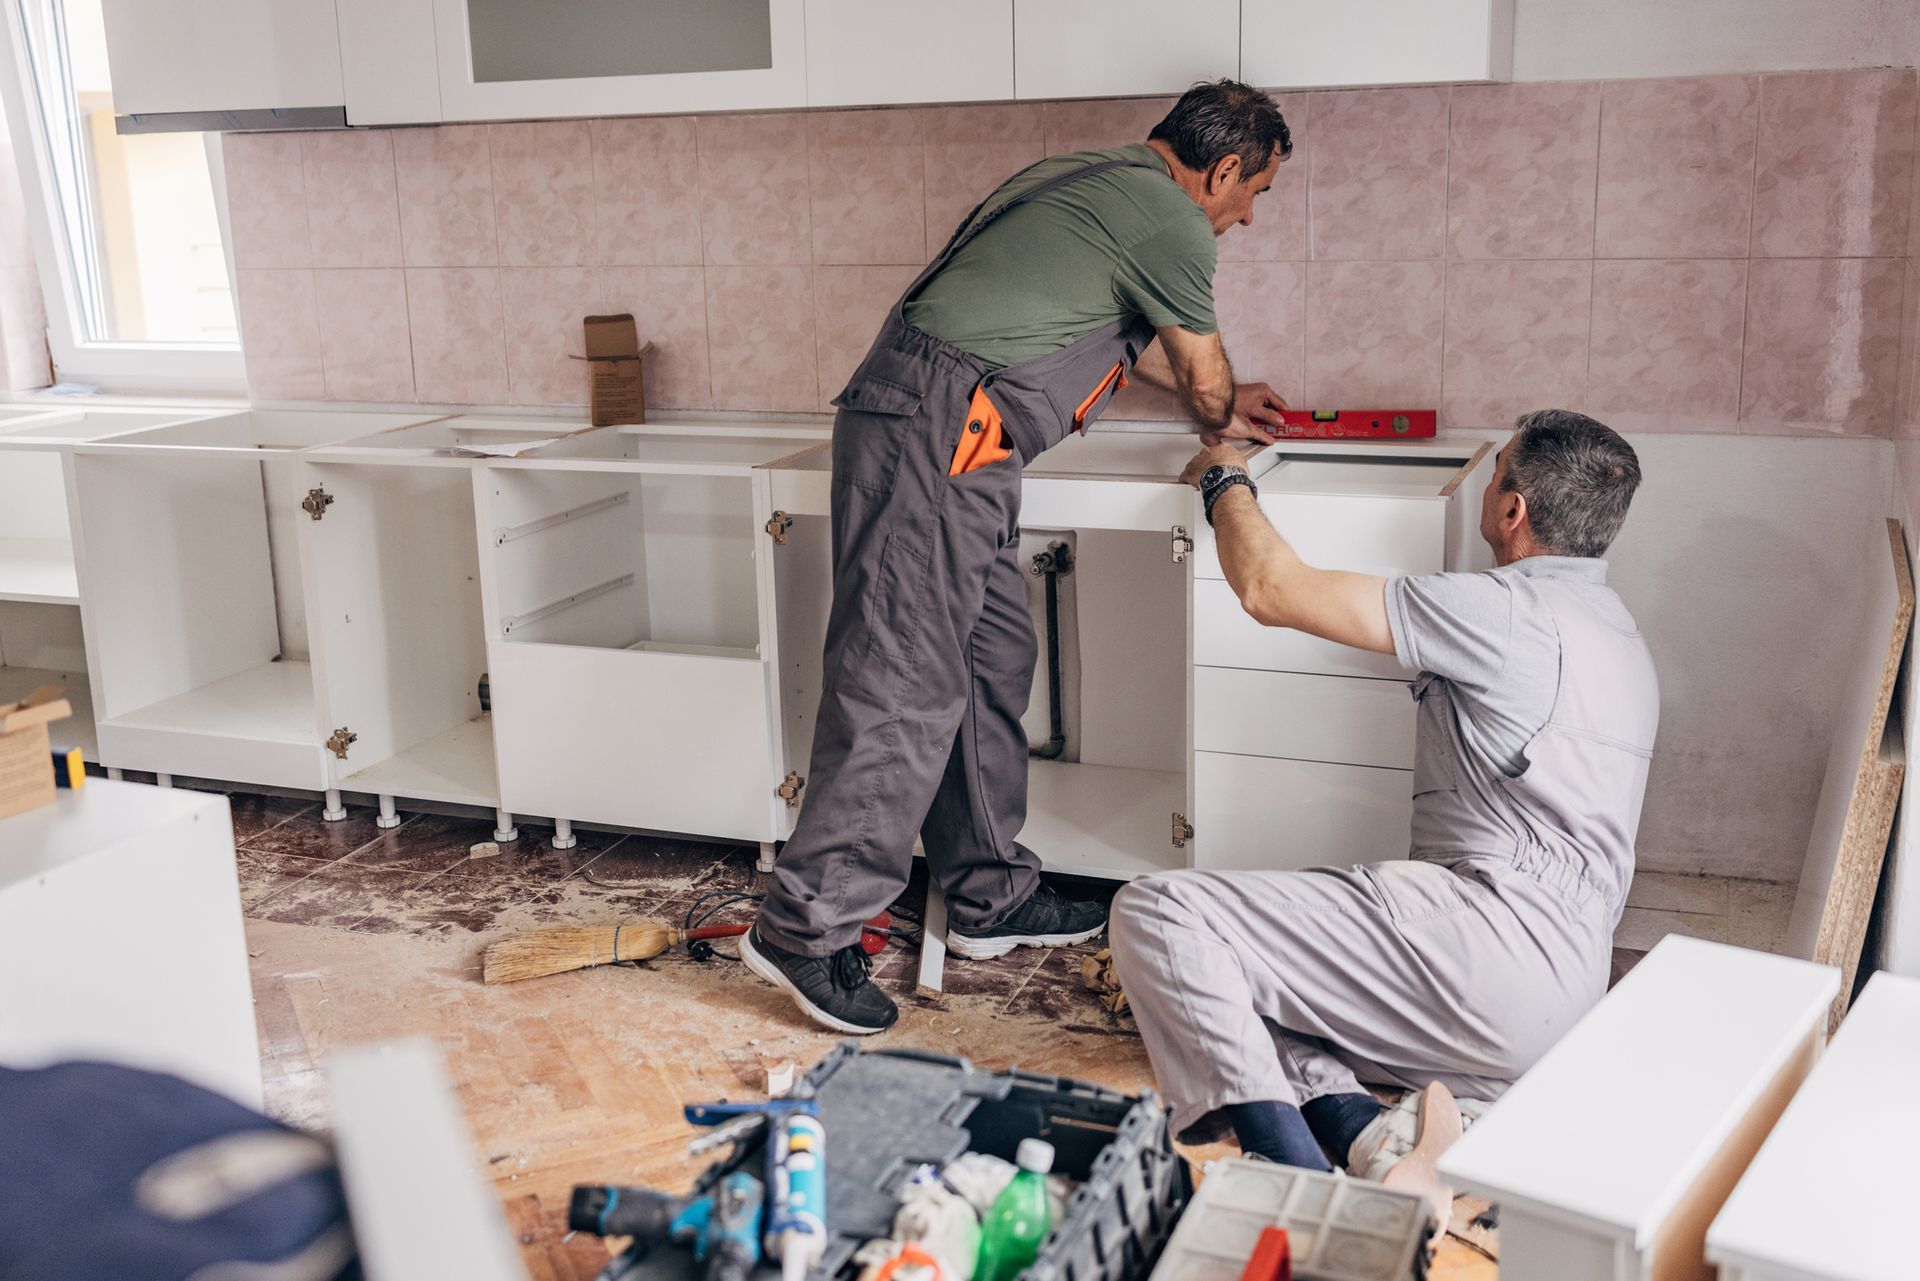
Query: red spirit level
x=1356, y=424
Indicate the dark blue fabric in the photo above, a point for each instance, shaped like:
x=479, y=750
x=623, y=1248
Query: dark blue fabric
x=1337, y=1119
x=74, y=1140
x=1277, y=1132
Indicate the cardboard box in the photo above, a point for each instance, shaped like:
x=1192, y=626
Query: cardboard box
x=26, y=752
x=616, y=382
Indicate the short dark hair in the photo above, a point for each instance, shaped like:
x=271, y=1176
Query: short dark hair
x=1221, y=119
x=1577, y=475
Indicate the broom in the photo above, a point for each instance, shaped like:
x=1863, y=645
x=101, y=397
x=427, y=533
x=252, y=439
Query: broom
x=570, y=947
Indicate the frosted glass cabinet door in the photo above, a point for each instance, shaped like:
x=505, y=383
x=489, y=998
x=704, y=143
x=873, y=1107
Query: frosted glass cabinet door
x=862, y=52
x=1293, y=44
x=1096, y=48
x=549, y=58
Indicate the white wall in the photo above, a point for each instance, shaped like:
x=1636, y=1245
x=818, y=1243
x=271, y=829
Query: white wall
x=1593, y=39
x=1733, y=563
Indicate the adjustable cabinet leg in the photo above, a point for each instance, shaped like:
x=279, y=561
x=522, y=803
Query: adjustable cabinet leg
x=503, y=828
x=335, y=809
x=115, y=773
x=563, y=837
x=388, y=816
x=765, y=862
x=163, y=780
x=933, y=942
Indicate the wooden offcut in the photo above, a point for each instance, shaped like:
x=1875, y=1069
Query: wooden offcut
x=1865, y=771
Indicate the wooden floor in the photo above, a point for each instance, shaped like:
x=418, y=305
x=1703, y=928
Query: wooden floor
x=357, y=934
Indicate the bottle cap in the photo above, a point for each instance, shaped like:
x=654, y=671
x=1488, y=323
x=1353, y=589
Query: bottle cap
x=1035, y=1155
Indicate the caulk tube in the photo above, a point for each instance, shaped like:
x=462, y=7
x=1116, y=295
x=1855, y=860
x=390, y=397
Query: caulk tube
x=797, y=1176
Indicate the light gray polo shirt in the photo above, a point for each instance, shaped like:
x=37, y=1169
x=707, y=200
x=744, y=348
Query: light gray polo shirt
x=1492, y=637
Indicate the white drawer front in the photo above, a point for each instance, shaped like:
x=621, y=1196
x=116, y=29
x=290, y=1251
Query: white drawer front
x=1252, y=813
x=1364, y=533
x=1309, y=718
x=1224, y=635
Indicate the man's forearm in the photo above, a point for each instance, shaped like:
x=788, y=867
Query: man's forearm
x=1279, y=589
x=1206, y=389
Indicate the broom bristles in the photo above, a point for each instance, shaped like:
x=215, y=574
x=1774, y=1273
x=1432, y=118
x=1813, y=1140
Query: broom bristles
x=571, y=947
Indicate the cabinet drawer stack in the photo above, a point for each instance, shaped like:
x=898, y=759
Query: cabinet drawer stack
x=1303, y=749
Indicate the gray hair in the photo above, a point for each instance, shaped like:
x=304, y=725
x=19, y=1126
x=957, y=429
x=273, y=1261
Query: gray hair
x=1577, y=475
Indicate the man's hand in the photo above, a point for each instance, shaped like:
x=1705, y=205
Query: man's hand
x=1241, y=428
x=1212, y=456
x=1258, y=403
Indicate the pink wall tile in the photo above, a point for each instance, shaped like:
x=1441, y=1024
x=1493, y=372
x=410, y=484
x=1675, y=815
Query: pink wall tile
x=1374, y=334
x=266, y=200
x=970, y=151
x=1835, y=164
x=1823, y=339
x=669, y=304
x=365, y=339
x=1379, y=173
x=647, y=191
x=543, y=193
x=1139, y=401
x=544, y=308
x=1667, y=340
x=754, y=197
x=1262, y=308
x=446, y=196
x=1279, y=230
x=1096, y=124
x=459, y=343
x=760, y=323
x=849, y=305
x=1521, y=168
x=1516, y=339
x=1907, y=415
x=1676, y=167
x=867, y=171
x=280, y=334
x=353, y=211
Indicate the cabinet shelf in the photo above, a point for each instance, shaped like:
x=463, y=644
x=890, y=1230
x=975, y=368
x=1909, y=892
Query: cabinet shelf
x=454, y=768
x=1103, y=820
x=271, y=703
x=38, y=570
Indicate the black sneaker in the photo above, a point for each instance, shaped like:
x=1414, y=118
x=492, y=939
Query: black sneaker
x=834, y=991
x=1044, y=920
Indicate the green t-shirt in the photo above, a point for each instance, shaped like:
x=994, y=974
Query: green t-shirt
x=1046, y=274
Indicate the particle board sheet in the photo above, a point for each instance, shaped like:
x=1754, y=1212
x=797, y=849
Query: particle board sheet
x=1865, y=770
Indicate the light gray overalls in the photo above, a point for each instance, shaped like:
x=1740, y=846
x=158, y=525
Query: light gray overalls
x=930, y=648
x=1462, y=964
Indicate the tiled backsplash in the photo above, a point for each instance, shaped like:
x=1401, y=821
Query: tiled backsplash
x=1710, y=254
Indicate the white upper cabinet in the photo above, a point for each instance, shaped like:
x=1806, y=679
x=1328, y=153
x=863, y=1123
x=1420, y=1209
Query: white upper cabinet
x=861, y=52
x=221, y=55
x=1097, y=48
x=388, y=63
x=1288, y=44
x=518, y=59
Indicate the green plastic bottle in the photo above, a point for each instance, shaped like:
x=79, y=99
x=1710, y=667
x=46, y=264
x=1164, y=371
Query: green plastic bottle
x=1020, y=1217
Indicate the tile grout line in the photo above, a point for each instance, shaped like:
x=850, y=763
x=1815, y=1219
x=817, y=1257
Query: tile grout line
x=1026, y=982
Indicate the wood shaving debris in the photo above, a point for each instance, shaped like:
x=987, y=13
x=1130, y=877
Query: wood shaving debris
x=485, y=849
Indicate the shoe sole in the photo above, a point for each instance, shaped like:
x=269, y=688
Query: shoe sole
x=772, y=973
x=986, y=949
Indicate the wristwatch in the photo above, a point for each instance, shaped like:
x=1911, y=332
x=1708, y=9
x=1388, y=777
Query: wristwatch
x=1218, y=480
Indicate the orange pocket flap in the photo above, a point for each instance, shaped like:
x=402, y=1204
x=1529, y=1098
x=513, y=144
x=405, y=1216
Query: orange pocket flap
x=1116, y=378
x=981, y=444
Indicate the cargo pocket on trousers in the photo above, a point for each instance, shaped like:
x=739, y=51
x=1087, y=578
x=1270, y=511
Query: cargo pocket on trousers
x=893, y=598
x=871, y=431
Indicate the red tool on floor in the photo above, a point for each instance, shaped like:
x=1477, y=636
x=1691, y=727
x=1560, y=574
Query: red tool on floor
x=1358, y=424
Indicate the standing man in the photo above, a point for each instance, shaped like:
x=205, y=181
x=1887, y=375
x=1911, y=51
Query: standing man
x=1018, y=334
x=1266, y=998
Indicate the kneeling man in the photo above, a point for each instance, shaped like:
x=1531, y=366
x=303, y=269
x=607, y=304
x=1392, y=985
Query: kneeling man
x=1266, y=998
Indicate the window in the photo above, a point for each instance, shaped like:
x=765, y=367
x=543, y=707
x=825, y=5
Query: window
x=128, y=232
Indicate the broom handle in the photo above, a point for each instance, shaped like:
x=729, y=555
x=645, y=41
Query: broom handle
x=712, y=932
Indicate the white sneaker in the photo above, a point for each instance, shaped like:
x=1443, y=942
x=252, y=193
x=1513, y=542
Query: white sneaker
x=1402, y=1146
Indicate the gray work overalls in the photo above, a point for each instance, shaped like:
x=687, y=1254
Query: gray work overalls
x=1461, y=964
x=930, y=648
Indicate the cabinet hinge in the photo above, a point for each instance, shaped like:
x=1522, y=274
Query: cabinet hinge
x=1182, y=831
x=341, y=740
x=778, y=526
x=1182, y=545
x=789, y=791
x=316, y=502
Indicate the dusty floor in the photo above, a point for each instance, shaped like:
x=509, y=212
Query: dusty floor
x=357, y=934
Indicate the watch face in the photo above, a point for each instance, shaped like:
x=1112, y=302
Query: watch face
x=1213, y=476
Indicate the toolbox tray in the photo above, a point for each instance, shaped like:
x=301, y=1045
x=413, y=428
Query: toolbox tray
x=887, y=1112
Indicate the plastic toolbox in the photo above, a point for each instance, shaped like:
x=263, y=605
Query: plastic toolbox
x=888, y=1112
x=1338, y=1229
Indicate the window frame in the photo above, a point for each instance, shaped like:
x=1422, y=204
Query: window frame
x=171, y=367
